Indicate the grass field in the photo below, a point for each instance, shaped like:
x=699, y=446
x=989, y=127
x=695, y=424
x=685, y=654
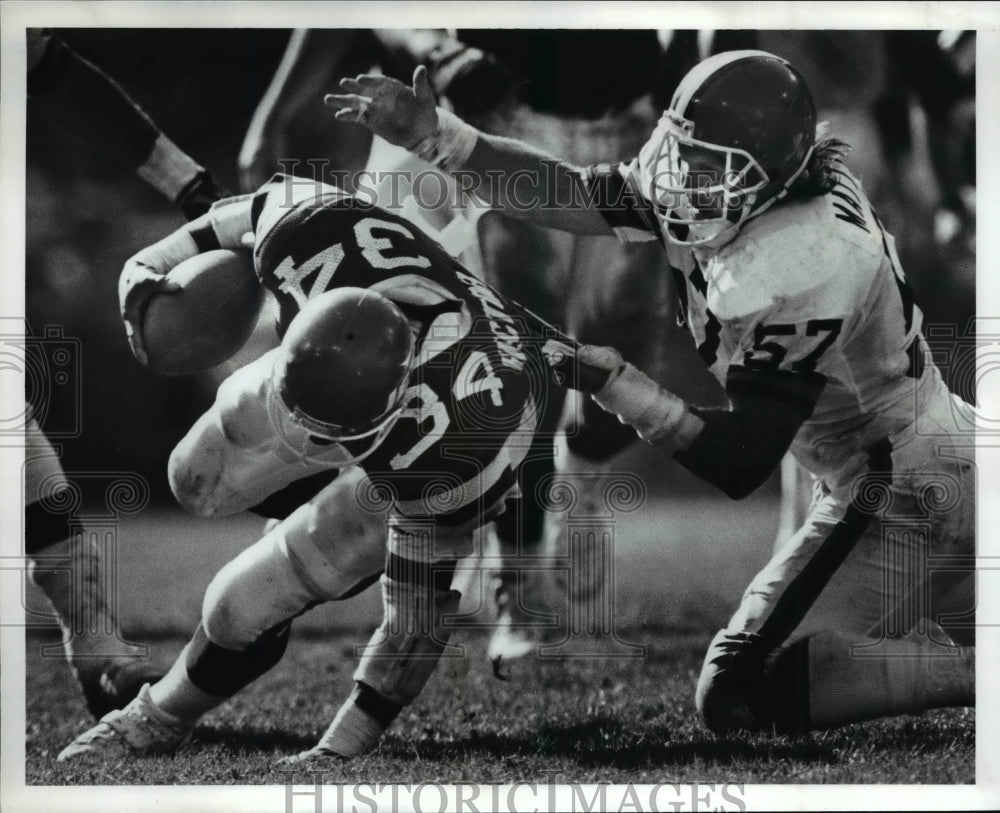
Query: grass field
x=679, y=575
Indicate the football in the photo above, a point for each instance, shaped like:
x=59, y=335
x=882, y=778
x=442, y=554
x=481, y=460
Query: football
x=205, y=322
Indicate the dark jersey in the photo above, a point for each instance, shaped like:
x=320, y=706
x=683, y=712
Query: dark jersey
x=469, y=412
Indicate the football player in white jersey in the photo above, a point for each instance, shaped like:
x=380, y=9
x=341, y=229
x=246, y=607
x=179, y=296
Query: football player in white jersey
x=794, y=294
x=400, y=404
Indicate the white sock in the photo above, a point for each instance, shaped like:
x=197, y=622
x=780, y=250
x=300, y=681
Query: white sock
x=352, y=732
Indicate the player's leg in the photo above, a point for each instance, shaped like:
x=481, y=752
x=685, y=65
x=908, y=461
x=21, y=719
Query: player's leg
x=417, y=598
x=796, y=498
x=67, y=566
x=923, y=569
x=85, y=100
x=841, y=625
x=329, y=549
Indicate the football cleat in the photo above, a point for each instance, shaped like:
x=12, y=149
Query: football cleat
x=518, y=630
x=116, y=684
x=314, y=756
x=140, y=728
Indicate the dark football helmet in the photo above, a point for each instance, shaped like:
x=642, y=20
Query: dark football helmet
x=740, y=129
x=338, y=383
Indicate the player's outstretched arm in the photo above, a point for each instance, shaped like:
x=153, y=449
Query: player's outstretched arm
x=734, y=449
x=510, y=175
x=83, y=99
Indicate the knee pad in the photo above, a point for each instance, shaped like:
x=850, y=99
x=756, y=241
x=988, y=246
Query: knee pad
x=227, y=461
x=256, y=591
x=195, y=466
x=336, y=545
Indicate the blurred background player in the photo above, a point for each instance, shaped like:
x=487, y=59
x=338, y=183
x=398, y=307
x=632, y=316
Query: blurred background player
x=72, y=93
x=396, y=366
x=790, y=281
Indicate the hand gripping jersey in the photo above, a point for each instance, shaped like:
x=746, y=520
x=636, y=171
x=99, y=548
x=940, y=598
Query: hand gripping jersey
x=469, y=411
x=814, y=291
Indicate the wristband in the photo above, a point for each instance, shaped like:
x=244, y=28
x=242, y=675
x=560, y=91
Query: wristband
x=165, y=254
x=657, y=415
x=451, y=144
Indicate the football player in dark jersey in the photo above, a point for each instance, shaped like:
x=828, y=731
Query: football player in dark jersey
x=552, y=89
x=398, y=368
x=76, y=95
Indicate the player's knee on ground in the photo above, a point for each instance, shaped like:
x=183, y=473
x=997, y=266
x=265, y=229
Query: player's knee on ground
x=739, y=690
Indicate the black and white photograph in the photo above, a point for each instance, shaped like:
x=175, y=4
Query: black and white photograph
x=500, y=406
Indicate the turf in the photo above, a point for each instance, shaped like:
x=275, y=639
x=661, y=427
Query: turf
x=618, y=720
x=681, y=566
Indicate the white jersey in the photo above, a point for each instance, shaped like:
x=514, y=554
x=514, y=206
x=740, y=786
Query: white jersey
x=814, y=289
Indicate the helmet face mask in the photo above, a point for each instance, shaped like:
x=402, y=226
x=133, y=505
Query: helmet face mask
x=315, y=441
x=706, y=187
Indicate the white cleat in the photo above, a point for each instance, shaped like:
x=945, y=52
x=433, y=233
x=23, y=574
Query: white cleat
x=141, y=727
x=314, y=756
x=518, y=630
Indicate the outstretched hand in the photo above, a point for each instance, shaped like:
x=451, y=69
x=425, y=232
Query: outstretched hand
x=400, y=114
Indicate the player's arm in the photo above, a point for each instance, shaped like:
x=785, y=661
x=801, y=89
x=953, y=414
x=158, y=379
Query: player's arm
x=511, y=176
x=86, y=101
x=229, y=224
x=734, y=449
